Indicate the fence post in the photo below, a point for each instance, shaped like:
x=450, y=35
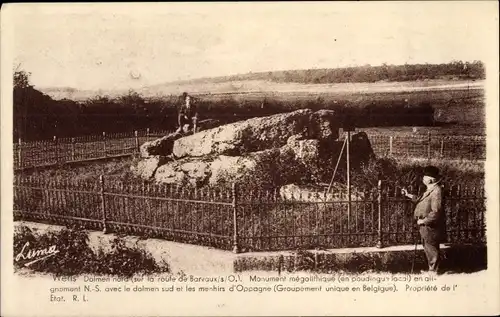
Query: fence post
x=103, y=205
x=19, y=153
x=348, y=182
x=72, y=149
x=56, y=149
x=441, y=150
x=104, y=144
x=390, y=145
x=236, y=248
x=147, y=134
x=428, y=145
x=136, y=142
x=379, y=209
x=444, y=208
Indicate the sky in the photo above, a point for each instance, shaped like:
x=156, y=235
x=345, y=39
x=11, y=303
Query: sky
x=121, y=46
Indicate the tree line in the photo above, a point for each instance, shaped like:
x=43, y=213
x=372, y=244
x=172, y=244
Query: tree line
x=367, y=73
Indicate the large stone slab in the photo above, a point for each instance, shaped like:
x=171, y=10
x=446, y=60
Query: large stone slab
x=297, y=147
x=170, y=173
x=258, y=134
x=304, y=149
x=162, y=146
x=229, y=169
x=147, y=167
x=184, y=172
x=302, y=193
x=197, y=172
x=298, y=160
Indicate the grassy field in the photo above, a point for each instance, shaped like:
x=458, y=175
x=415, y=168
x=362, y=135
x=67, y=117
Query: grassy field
x=118, y=168
x=457, y=112
x=256, y=87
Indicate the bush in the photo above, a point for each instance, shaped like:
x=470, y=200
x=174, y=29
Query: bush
x=43, y=117
x=275, y=168
x=76, y=257
x=409, y=172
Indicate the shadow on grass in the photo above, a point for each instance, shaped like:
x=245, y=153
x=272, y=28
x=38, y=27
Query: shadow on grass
x=455, y=260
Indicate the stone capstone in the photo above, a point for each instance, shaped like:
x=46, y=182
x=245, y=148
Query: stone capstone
x=258, y=134
x=162, y=146
x=295, y=147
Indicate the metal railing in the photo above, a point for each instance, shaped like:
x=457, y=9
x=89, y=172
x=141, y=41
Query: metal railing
x=78, y=149
x=64, y=150
x=429, y=146
x=242, y=221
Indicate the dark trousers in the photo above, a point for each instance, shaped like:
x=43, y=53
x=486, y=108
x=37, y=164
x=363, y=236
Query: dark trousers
x=182, y=120
x=430, y=241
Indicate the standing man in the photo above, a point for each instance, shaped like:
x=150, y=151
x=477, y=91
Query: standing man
x=430, y=217
x=187, y=114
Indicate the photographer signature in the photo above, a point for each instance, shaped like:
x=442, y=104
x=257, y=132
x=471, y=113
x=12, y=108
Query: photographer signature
x=35, y=255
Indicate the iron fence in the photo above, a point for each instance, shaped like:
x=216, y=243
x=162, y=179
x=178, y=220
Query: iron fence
x=203, y=217
x=429, y=146
x=78, y=149
x=64, y=150
x=242, y=221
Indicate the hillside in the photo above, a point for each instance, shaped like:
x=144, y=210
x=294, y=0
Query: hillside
x=359, y=74
x=75, y=94
x=383, y=78
x=263, y=87
x=260, y=87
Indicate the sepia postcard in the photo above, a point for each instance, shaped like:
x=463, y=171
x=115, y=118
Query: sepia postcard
x=250, y=158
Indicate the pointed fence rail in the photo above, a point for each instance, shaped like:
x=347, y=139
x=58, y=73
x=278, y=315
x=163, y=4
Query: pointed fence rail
x=430, y=146
x=79, y=149
x=244, y=220
x=108, y=145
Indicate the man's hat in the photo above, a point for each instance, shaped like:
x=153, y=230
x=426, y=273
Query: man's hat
x=431, y=171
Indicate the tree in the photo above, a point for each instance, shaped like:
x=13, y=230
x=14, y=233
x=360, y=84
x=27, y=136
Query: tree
x=21, y=78
x=132, y=100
